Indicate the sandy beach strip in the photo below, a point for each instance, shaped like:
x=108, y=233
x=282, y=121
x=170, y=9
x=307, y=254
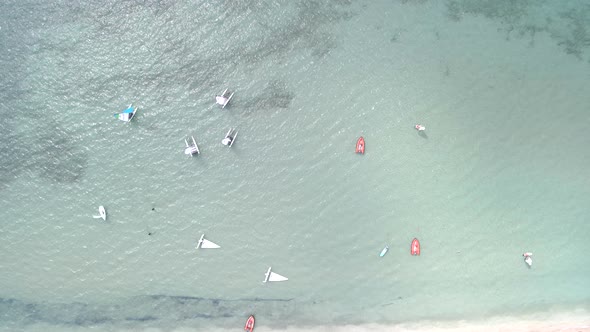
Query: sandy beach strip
x=578, y=321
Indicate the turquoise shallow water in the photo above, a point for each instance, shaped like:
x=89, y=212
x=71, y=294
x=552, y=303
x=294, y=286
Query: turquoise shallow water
x=502, y=88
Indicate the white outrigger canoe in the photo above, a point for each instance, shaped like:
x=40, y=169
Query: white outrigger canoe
x=271, y=276
x=230, y=137
x=384, y=251
x=102, y=212
x=223, y=99
x=191, y=149
x=206, y=244
x=127, y=114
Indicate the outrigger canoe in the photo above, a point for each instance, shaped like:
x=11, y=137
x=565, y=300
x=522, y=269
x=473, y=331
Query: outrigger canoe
x=249, y=324
x=415, y=247
x=360, y=145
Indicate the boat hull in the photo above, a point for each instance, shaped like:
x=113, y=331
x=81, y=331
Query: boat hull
x=415, y=247
x=249, y=324
x=360, y=145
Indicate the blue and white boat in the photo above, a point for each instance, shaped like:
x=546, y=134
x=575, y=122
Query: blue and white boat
x=384, y=251
x=127, y=114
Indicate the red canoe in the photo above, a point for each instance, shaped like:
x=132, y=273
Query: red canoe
x=415, y=248
x=360, y=145
x=249, y=324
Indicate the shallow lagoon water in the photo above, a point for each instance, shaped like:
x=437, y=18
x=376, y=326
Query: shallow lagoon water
x=500, y=170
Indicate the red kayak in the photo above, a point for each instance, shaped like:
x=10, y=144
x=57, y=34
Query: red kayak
x=360, y=145
x=415, y=248
x=249, y=324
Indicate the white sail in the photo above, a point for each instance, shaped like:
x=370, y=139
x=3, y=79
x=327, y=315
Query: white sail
x=206, y=244
x=103, y=212
x=271, y=276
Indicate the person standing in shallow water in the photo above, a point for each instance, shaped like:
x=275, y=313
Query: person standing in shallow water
x=153, y=210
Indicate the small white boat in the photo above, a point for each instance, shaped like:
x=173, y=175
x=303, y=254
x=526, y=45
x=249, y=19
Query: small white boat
x=271, y=276
x=384, y=251
x=206, y=244
x=528, y=259
x=191, y=149
x=127, y=114
x=102, y=213
x=224, y=98
x=230, y=137
x=419, y=127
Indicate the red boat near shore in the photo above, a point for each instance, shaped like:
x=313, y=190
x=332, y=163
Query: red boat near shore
x=415, y=247
x=360, y=145
x=249, y=324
